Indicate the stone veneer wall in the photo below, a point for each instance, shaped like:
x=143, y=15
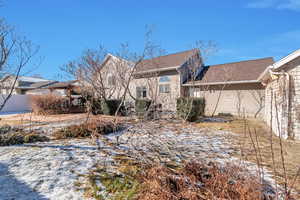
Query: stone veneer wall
x=284, y=111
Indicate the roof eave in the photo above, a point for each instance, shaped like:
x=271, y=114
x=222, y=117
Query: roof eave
x=221, y=83
x=264, y=75
x=285, y=60
x=278, y=65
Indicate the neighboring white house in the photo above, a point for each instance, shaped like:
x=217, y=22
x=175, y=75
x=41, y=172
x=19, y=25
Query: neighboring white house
x=23, y=84
x=66, y=88
x=26, y=86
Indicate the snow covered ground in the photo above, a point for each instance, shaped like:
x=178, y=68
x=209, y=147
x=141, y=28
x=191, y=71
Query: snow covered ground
x=44, y=170
x=49, y=170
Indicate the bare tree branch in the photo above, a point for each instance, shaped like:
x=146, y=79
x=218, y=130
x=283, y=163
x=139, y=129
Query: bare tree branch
x=15, y=53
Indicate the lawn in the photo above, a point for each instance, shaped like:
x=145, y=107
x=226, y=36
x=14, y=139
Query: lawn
x=170, y=142
x=243, y=142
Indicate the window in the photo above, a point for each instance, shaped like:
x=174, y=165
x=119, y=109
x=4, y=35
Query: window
x=164, y=79
x=111, y=80
x=141, y=92
x=164, y=88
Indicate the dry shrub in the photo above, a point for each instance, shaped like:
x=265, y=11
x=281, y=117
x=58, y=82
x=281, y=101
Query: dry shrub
x=21, y=137
x=5, y=129
x=197, y=181
x=51, y=104
x=96, y=127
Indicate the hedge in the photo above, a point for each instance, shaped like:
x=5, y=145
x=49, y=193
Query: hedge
x=87, y=129
x=54, y=104
x=189, y=108
x=14, y=137
x=141, y=106
x=108, y=107
x=96, y=106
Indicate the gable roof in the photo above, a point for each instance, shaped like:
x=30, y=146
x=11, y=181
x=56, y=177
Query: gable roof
x=236, y=72
x=117, y=59
x=37, y=85
x=42, y=84
x=279, y=65
x=171, y=61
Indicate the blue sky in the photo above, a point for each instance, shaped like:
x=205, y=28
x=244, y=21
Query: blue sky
x=242, y=29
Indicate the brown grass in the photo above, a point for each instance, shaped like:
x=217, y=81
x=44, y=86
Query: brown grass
x=92, y=127
x=192, y=181
x=198, y=181
x=26, y=118
x=242, y=141
x=20, y=137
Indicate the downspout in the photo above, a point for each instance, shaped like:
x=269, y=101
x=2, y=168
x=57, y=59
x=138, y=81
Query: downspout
x=287, y=98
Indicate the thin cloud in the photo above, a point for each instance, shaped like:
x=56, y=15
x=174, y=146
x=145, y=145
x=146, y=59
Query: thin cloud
x=291, y=4
x=277, y=46
x=262, y=4
x=276, y=4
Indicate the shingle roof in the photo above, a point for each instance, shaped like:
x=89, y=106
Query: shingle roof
x=37, y=85
x=24, y=78
x=42, y=84
x=62, y=84
x=171, y=60
x=237, y=71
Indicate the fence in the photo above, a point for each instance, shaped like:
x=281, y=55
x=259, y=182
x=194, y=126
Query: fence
x=16, y=103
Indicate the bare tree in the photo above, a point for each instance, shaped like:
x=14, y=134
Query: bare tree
x=239, y=96
x=87, y=70
x=103, y=80
x=206, y=49
x=259, y=98
x=15, y=53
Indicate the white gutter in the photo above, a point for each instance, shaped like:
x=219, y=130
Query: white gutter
x=222, y=83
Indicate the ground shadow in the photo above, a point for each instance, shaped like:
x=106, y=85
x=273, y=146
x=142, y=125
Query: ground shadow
x=13, y=189
x=62, y=147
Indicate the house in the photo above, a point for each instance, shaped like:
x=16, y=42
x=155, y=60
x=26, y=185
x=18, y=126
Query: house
x=23, y=84
x=37, y=86
x=26, y=86
x=282, y=83
x=162, y=78
x=159, y=79
x=232, y=88
x=66, y=88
